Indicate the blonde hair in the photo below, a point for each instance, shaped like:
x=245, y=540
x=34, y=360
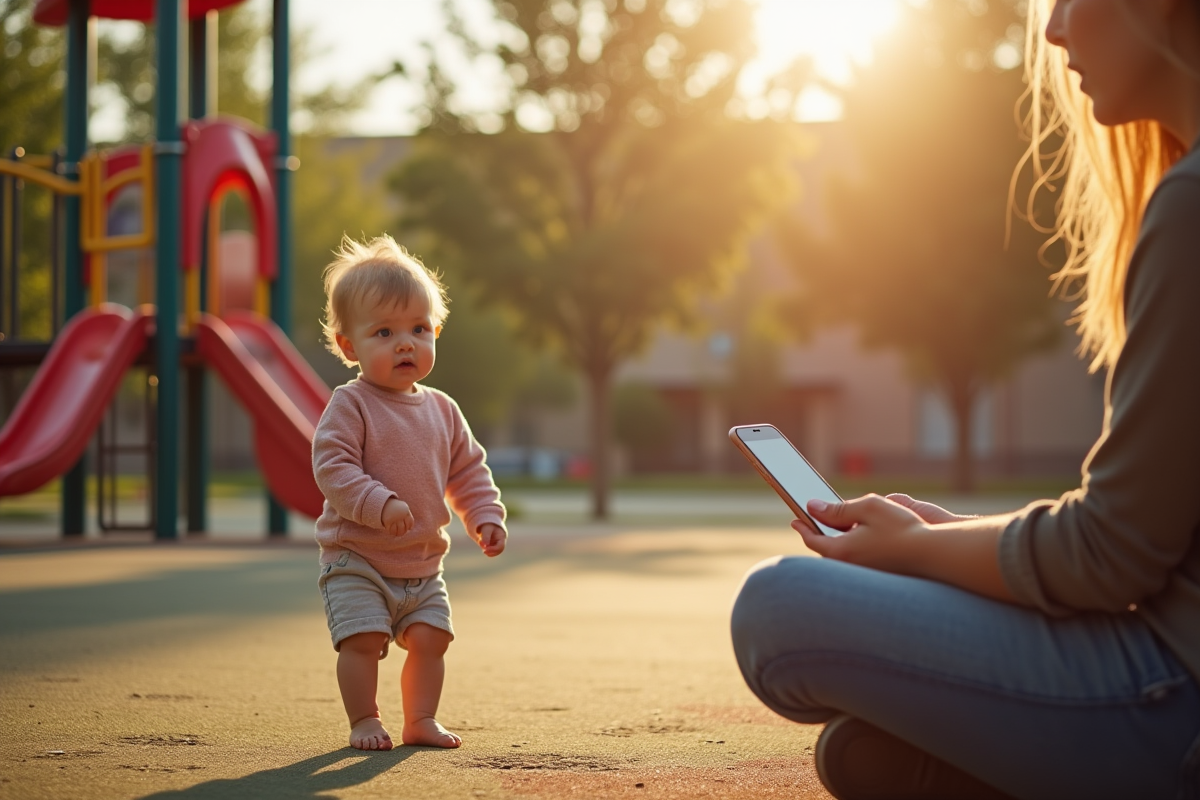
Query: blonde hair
x=1107, y=175
x=372, y=272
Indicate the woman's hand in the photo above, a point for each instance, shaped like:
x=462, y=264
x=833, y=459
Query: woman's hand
x=880, y=533
x=934, y=515
x=907, y=537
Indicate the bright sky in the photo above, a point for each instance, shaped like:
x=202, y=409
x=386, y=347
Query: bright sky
x=355, y=38
x=367, y=36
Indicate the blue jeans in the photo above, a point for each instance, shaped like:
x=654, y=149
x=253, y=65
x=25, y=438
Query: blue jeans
x=1090, y=706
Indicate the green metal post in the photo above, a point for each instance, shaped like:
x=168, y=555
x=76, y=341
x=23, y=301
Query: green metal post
x=201, y=55
x=281, y=289
x=169, y=170
x=74, y=482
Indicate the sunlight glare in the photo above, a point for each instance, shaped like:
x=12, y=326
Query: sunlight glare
x=836, y=34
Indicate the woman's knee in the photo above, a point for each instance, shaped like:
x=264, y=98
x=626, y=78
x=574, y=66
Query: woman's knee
x=751, y=599
x=771, y=592
x=769, y=605
x=768, y=623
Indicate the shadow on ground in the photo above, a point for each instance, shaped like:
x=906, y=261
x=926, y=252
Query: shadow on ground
x=310, y=778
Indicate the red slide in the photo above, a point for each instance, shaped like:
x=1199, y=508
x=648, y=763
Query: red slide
x=50, y=427
x=283, y=394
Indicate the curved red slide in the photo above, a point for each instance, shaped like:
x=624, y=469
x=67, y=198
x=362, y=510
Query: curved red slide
x=282, y=393
x=50, y=427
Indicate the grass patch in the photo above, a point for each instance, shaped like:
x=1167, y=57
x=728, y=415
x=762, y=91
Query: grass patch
x=130, y=488
x=20, y=514
x=235, y=484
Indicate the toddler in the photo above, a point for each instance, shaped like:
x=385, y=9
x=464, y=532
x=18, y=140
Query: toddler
x=388, y=454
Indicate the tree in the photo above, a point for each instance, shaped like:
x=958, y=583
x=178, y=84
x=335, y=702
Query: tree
x=638, y=195
x=642, y=419
x=31, y=96
x=127, y=68
x=916, y=253
x=31, y=99
x=31, y=80
x=331, y=198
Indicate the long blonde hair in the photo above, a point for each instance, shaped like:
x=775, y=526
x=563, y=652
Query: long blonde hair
x=1106, y=175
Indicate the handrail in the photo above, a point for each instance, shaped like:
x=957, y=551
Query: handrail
x=94, y=188
x=40, y=176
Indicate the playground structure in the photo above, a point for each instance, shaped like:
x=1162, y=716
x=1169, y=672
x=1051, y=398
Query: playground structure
x=180, y=181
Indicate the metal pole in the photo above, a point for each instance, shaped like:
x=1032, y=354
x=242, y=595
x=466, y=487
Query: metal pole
x=17, y=198
x=55, y=254
x=7, y=295
x=281, y=289
x=196, y=460
x=74, y=490
x=169, y=163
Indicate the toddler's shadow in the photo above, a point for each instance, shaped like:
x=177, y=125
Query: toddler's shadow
x=304, y=779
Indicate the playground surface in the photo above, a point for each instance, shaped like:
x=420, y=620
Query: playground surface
x=592, y=661
x=589, y=663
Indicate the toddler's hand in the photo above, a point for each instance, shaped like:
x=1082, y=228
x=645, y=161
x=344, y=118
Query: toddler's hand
x=491, y=539
x=397, y=518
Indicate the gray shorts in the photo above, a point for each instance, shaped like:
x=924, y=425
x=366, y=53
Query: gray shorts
x=360, y=600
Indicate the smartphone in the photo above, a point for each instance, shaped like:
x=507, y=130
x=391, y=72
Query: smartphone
x=788, y=472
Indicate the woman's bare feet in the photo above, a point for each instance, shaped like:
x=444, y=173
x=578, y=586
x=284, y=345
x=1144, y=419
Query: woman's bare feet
x=428, y=732
x=369, y=734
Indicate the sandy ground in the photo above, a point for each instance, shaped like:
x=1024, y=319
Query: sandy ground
x=590, y=663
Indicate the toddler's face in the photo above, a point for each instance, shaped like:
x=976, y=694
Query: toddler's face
x=393, y=343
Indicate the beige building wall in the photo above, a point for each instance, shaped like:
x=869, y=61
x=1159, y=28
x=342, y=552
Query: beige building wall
x=1042, y=421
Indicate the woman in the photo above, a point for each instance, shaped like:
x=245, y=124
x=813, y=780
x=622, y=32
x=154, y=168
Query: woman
x=1053, y=652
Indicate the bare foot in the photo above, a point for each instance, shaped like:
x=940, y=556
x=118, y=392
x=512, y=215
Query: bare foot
x=369, y=734
x=428, y=732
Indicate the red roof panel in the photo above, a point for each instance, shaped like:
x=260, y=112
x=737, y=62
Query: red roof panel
x=54, y=12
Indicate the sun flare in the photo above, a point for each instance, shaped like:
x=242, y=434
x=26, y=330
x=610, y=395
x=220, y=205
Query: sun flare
x=836, y=34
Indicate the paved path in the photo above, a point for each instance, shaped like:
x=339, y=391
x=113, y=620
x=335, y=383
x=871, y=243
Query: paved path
x=591, y=663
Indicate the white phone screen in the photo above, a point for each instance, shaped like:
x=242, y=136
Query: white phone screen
x=794, y=474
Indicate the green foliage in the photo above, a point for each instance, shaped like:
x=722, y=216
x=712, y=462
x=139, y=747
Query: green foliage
x=127, y=66
x=332, y=195
x=31, y=80
x=478, y=362
x=594, y=262
x=548, y=387
x=31, y=99
x=639, y=196
x=642, y=420
x=916, y=255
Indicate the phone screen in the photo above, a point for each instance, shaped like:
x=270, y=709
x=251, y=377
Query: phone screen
x=786, y=465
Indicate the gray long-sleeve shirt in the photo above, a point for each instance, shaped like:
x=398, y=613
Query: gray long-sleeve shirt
x=1128, y=540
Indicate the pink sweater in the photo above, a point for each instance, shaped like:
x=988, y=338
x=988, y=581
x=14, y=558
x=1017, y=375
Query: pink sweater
x=371, y=445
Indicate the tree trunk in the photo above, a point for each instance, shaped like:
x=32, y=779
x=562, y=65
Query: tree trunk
x=962, y=404
x=599, y=387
